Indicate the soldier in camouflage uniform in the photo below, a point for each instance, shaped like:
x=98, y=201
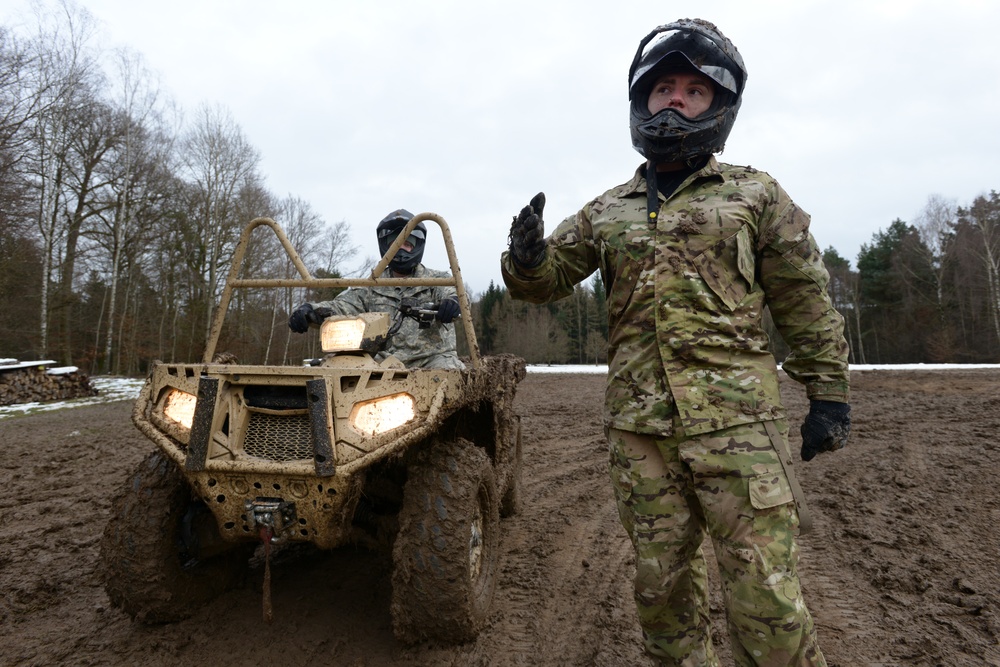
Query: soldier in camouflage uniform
x=431, y=347
x=691, y=251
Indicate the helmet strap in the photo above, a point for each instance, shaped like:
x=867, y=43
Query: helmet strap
x=652, y=194
x=666, y=183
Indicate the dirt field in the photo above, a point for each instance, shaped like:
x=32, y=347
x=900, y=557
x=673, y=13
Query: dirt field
x=903, y=567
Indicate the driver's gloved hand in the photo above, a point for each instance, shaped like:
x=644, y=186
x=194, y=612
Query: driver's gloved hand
x=825, y=428
x=527, y=234
x=448, y=310
x=305, y=315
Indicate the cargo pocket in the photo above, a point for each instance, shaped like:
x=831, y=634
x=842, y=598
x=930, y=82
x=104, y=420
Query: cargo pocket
x=770, y=490
x=775, y=522
x=728, y=268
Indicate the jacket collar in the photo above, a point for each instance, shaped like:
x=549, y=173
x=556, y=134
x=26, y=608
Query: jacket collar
x=637, y=185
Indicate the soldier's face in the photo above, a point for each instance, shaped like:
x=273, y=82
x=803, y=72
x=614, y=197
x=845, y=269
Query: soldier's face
x=409, y=244
x=690, y=93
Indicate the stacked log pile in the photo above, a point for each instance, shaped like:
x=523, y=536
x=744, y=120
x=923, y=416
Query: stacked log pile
x=34, y=382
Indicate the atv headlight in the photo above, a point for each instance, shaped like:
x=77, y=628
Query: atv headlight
x=339, y=335
x=382, y=414
x=349, y=334
x=178, y=407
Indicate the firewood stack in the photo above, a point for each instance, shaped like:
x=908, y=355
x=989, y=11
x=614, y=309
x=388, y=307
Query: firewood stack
x=40, y=381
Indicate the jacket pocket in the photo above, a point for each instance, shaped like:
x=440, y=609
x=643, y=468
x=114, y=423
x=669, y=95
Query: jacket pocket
x=728, y=268
x=621, y=268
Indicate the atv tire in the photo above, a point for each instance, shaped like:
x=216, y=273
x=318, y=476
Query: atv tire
x=445, y=554
x=148, y=571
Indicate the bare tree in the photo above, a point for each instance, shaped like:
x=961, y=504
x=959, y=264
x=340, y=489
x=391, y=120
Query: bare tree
x=984, y=216
x=219, y=161
x=20, y=102
x=67, y=77
x=137, y=180
x=934, y=223
x=305, y=230
x=337, y=247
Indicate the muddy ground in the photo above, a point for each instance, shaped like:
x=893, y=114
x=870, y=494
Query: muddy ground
x=903, y=567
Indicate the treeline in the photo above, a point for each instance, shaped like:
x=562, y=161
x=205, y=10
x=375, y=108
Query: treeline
x=118, y=220
x=927, y=291
x=573, y=330
x=118, y=217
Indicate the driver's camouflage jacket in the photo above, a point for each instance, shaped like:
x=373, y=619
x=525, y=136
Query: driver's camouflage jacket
x=686, y=298
x=433, y=347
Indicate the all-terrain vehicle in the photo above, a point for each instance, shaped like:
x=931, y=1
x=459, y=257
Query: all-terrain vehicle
x=343, y=449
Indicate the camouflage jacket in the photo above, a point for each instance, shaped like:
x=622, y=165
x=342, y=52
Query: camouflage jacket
x=686, y=298
x=433, y=347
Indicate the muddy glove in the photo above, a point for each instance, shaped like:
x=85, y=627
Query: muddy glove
x=527, y=234
x=448, y=310
x=305, y=315
x=826, y=428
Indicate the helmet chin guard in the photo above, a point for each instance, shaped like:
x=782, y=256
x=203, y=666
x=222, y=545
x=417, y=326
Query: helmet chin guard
x=687, y=44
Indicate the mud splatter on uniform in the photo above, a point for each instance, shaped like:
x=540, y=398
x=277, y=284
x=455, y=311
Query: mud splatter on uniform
x=692, y=387
x=433, y=347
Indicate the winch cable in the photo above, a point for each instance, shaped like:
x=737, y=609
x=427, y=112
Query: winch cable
x=265, y=535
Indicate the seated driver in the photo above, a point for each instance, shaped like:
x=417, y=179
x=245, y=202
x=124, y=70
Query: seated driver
x=430, y=347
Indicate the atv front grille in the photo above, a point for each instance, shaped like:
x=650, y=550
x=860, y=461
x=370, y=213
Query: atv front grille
x=279, y=437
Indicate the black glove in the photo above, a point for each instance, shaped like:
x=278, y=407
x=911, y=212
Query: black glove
x=527, y=234
x=448, y=310
x=826, y=428
x=305, y=315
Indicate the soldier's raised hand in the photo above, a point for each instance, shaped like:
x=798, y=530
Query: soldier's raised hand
x=527, y=234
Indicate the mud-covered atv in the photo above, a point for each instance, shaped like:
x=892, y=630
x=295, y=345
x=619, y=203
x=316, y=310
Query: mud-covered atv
x=343, y=450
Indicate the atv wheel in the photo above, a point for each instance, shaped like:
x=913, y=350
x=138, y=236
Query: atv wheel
x=149, y=550
x=445, y=555
x=513, y=500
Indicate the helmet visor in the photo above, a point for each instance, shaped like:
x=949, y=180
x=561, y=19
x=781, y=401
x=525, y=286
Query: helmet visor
x=391, y=234
x=701, y=52
x=387, y=236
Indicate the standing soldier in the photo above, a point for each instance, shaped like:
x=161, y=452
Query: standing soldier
x=691, y=251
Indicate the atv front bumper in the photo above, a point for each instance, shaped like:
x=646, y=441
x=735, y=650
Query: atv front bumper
x=297, y=438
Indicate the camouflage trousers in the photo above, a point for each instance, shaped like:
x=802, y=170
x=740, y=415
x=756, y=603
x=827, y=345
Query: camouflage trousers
x=729, y=484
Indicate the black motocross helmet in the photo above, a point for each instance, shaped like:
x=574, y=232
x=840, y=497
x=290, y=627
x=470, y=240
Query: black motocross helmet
x=404, y=261
x=694, y=44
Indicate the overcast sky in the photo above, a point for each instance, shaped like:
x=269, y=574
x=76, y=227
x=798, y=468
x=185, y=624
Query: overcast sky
x=860, y=109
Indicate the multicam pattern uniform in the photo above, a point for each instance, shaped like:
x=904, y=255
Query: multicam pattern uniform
x=433, y=347
x=690, y=375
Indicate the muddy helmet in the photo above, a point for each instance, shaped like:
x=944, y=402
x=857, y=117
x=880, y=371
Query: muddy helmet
x=388, y=229
x=668, y=136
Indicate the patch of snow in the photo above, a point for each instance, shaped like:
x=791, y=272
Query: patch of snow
x=14, y=364
x=602, y=368
x=568, y=368
x=920, y=367
x=109, y=389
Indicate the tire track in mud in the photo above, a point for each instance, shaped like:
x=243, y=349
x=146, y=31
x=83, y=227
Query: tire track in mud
x=544, y=620
x=841, y=618
x=565, y=591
